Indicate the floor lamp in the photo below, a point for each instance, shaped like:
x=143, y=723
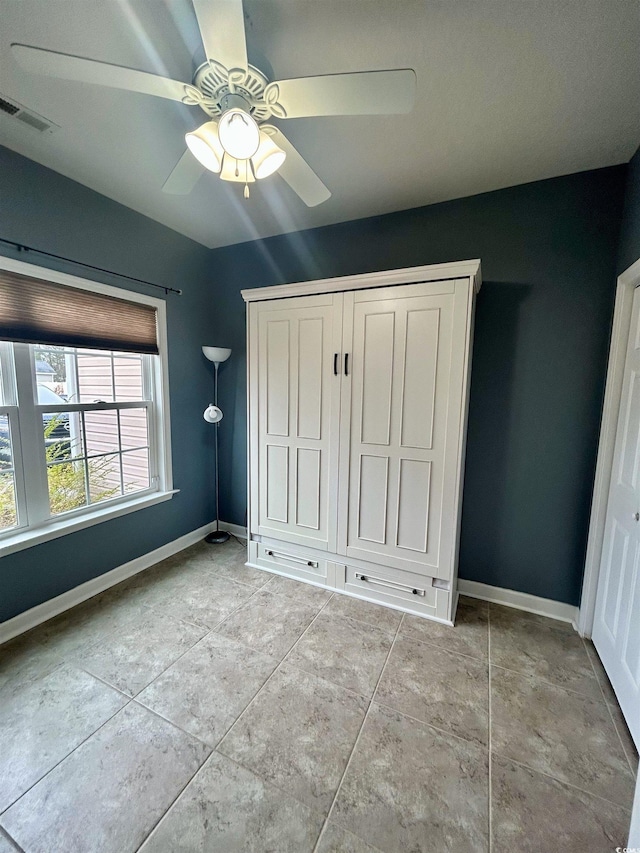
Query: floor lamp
x=213, y=415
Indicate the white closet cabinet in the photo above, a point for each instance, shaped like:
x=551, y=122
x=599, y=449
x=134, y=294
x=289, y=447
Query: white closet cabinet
x=358, y=391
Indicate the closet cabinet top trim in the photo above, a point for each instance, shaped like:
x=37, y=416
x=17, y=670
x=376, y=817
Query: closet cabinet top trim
x=409, y=275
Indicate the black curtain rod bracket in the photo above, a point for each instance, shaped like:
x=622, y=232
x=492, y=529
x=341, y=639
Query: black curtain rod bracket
x=21, y=247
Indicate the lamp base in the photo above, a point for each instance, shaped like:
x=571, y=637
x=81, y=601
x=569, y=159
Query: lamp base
x=216, y=537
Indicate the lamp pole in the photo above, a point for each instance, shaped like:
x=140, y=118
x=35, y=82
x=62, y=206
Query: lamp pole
x=217, y=536
x=216, y=355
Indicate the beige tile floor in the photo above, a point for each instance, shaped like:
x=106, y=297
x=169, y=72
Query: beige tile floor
x=205, y=706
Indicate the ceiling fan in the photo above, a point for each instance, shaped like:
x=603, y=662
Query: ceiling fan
x=237, y=141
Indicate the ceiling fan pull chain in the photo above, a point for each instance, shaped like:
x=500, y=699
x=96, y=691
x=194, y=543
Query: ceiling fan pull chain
x=246, y=183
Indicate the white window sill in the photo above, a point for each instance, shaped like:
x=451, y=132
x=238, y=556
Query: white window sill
x=27, y=538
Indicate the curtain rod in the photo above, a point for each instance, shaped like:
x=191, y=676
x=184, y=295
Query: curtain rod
x=21, y=247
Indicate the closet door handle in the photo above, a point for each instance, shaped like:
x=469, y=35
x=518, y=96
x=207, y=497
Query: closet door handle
x=335, y=363
x=346, y=364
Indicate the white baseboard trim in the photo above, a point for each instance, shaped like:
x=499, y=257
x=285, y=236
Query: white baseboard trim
x=48, y=609
x=520, y=600
x=234, y=529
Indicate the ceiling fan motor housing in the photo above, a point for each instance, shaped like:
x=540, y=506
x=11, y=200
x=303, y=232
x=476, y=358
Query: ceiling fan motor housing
x=218, y=83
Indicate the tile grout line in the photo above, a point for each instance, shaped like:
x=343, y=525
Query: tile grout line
x=276, y=669
x=348, y=832
x=390, y=631
x=444, y=732
x=357, y=740
x=608, y=706
x=214, y=749
x=327, y=680
x=66, y=661
x=217, y=750
x=64, y=758
x=212, y=630
x=574, y=693
x=76, y=665
x=156, y=611
x=66, y=657
x=427, y=642
x=174, y=800
x=546, y=682
x=305, y=631
x=156, y=677
x=563, y=782
x=99, y=678
x=490, y=727
x=5, y=834
x=269, y=783
x=174, y=725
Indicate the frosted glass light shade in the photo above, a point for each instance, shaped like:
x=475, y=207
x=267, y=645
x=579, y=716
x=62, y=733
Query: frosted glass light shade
x=239, y=134
x=243, y=167
x=216, y=354
x=205, y=146
x=268, y=158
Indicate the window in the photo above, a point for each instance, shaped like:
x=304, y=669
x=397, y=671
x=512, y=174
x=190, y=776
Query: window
x=83, y=431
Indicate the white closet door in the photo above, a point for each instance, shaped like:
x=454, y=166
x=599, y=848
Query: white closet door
x=616, y=630
x=298, y=411
x=399, y=458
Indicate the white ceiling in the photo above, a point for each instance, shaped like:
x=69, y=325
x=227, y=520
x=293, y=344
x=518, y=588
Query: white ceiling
x=509, y=91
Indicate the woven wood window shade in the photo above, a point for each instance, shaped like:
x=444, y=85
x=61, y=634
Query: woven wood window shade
x=41, y=312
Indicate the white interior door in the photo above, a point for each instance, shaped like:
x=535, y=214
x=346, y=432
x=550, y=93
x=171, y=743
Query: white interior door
x=616, y=630
x=296, y=377
x=401, y=425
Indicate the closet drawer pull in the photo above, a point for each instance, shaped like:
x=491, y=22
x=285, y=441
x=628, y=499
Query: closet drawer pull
x=311, y=563
x=335, y=363
x=381, y=582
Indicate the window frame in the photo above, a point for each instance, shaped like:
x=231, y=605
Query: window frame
x=35, y=523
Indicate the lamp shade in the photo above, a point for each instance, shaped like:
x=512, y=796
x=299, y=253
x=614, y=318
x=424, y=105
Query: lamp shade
x=242, y=167
x=216, y=354
x=239, y=134
x=212, y=414
x=205, y=146
x=268, y=158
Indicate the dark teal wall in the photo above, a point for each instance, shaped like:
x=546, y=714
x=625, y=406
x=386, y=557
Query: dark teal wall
x=44, y=209
x=548, y=253
x=629, y=248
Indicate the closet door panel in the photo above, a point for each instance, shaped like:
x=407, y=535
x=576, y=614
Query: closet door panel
x=414, y=486
x=403, y=398
x=295, y=425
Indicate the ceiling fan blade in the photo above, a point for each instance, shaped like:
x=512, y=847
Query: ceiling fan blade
x=52, y=64
x=185, y=175
x=297, y=172
x=221, y=25
x=360, y=93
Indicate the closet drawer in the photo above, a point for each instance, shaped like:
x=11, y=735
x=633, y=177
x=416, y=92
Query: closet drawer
x=287, y=560
x=411, y=592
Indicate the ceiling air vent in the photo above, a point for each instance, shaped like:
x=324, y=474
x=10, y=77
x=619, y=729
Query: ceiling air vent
x=7, y=107
x=28, y=117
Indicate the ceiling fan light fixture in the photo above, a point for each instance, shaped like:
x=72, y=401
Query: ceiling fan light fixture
x=239, y=134
x=268, y=158
x=205, y=146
